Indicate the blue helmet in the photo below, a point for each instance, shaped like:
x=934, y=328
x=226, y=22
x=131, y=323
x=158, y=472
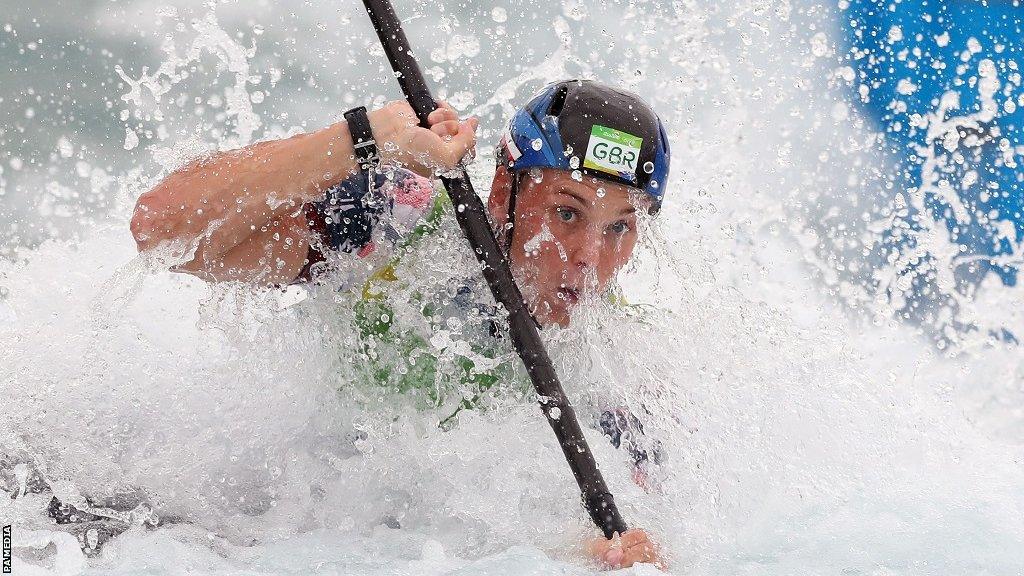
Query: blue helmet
x=601, y=131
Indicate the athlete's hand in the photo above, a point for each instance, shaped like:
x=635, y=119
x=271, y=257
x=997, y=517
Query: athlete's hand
x=401, y=140
x=623, y=551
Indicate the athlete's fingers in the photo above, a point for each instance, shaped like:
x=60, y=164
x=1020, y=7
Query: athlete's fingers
x=598, y=547
x=446, y=128
x=465, y=139
x=633, y=537
x=453, y=147
x=605, y=551
x=641, y=552
x=624, y=551
x=637, y=547
x=442, y=115
x=616, y=558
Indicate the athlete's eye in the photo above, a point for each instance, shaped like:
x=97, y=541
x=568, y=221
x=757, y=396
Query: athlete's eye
x=566, y=214
x=620, y=227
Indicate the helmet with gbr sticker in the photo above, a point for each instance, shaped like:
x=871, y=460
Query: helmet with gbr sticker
x=601, y=131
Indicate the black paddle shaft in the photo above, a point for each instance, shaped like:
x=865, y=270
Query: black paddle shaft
x=525, y=337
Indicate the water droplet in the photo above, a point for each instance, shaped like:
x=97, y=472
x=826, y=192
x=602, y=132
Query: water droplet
x=537, y=144
x=574, y=162
x=568, y=151
x=65, y=148
x=537, y=175
x=649, y=167
x=577, y=175
x=600, y=192
x=654, y=183
x=498, y=14
x=131, y=139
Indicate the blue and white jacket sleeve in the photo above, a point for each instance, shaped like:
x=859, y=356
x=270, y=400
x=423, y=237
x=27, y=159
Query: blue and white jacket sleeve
x=356, y=227
x=626, y=432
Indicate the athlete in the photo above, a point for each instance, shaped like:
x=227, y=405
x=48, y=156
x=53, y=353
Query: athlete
x=577, y=166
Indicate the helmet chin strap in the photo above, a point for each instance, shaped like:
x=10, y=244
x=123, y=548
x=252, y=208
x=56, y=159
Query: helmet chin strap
x=510, y=224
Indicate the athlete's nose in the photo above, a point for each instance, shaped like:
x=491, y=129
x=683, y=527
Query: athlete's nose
x=587, y=250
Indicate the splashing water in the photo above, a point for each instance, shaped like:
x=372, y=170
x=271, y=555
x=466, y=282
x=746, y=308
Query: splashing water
x=798, y=438
x=942, y=240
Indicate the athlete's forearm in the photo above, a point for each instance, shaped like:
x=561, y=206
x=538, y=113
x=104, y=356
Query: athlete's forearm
x=242, y=211
x=223, y=200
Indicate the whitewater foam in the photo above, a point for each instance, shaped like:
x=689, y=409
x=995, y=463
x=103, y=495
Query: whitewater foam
x=799, y=437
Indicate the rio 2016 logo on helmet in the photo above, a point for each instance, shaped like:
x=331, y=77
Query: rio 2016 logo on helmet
x=587, y=126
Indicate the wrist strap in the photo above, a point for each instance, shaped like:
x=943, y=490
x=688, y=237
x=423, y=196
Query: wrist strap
x=362, y=137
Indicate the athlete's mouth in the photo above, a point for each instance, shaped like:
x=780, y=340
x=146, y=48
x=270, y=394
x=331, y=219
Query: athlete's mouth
x=568, y=295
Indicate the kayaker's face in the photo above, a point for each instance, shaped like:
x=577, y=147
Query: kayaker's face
x=570, y=237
